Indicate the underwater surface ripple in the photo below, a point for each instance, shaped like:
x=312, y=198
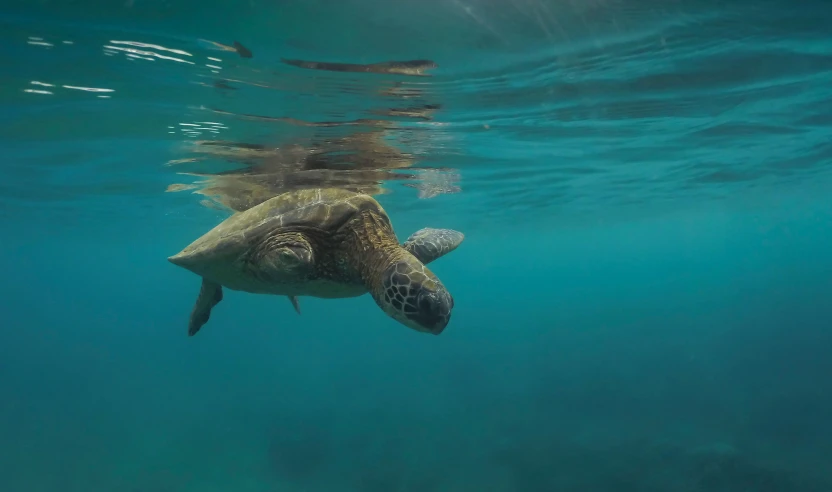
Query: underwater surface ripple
x=613, y=104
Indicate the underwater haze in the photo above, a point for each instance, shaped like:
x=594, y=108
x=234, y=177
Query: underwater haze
x=642, y=301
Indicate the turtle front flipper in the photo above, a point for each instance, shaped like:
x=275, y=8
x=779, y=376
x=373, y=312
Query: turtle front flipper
x=209, y=296
x=428, y=244
x=282, y=256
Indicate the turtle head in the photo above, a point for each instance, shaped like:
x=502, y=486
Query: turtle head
x=412, y=295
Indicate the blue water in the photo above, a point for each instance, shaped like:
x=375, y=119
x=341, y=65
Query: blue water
x=642, y=299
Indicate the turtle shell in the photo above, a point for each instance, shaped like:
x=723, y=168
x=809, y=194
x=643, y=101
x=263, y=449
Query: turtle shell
x=322, y=209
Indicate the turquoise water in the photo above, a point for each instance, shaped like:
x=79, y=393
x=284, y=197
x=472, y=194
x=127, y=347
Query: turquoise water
x=641, y=299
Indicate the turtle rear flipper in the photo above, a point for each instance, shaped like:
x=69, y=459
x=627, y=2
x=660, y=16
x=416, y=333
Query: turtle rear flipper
x=295, y=303
x=428, y=244
x=209, y=296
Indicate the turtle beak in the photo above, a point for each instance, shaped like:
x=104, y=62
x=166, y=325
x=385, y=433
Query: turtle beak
x=439, y=328
x=434, y=311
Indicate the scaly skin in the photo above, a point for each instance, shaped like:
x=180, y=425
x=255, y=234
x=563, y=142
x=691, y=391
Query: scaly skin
x=396, y=279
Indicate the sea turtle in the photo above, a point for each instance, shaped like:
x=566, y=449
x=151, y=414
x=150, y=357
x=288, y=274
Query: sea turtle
x=327, y=243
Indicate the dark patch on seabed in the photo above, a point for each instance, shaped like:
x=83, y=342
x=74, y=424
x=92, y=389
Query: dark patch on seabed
x=647, y=469
x=301, y=452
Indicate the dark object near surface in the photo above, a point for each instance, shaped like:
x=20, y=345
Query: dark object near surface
x=407, y=67
x=242, y=50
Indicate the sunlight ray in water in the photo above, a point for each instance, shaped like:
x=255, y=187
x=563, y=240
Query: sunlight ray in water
x=145, y=53
x=151, y=46
x=87, y=89
x=138, y=57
